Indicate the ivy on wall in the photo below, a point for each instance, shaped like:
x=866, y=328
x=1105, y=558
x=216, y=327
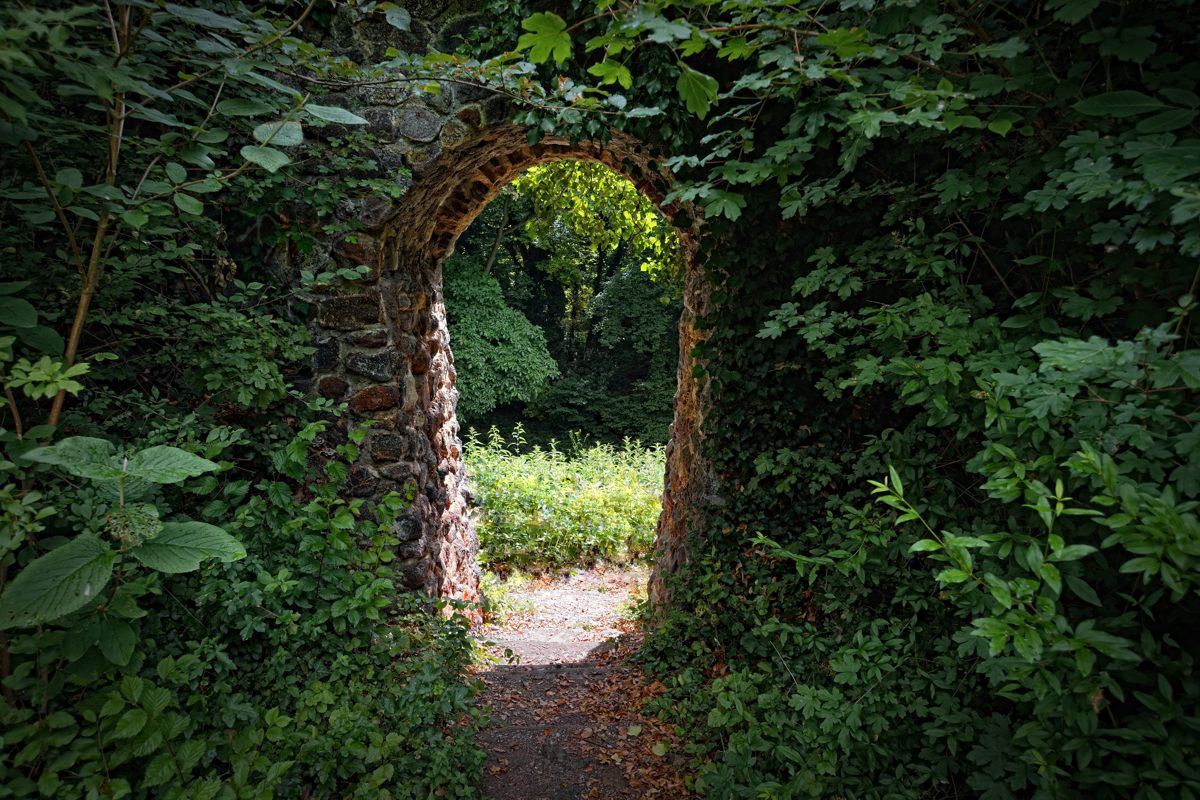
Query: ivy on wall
x=954, y=377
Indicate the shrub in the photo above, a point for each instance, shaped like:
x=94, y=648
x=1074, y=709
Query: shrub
x=549, y=507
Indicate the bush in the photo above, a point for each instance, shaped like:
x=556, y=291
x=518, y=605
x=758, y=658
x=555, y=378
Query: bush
x=547, y=507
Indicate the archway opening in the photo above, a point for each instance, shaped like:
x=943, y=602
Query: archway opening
x=563, y=300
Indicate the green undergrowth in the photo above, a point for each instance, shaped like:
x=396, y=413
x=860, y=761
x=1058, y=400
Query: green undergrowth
x=542, y=508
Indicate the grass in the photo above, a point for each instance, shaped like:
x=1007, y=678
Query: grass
x=546, y=508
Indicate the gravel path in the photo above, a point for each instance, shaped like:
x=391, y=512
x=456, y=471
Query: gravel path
x=566, y=720
x=569, y=615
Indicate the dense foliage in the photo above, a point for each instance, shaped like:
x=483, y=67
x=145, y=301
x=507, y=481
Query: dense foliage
x=953, y=372
x=550, y=508
x=572, y=263
x=190, y=607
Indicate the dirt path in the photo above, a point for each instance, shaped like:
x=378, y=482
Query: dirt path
x=566, y=721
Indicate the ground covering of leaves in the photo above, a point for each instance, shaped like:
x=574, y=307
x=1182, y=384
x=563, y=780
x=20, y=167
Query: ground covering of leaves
x=566, y=721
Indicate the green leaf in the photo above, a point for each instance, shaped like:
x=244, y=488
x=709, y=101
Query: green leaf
x=334, y=114
x=924, y=546
x=82, y=456
x=609, y=71
x=135, y=218
x=268, y=158
x=1125, y=103
x=699, y=91
x=951, y=576
x=182, y=546
x=59, y=582
x=159, y=771
x=398, y=17
x=176, y=172
x=726, y=204
x=188, y=204
x=69, y=177
x=203, y=17
x=117, y=641
x=130, y=724
x=1072, y=11
x=44, y=338
x=284, y=134
x=547, y=37
x=17, y=313
x=163, y=464
x=236, y=107
x=12, y=287
x=1171, y=120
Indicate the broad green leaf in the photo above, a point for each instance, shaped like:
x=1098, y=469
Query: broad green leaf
x=334, y=114
x=203, y=17
x=12, y=287
x=398, y=17
x=130, y=724
x=547, y=37
x=69, y=177
x=1170, y=120
x=57, y=583
x=699, y=91
x=135, y=218
x=182, y=546
x=268, y=158
x=284, y=133
x=610, y=71
x=1125, y=103
x=188, y=204
x=236, y=107
x=17, y=313
x=82, y=456
x=952, y=576
x=643, y=111
x=117, y=641
x=44, y=338
x=160, y=770
x=176, y=172
x=1072, y=11
x=163, y=464
x=725, y=204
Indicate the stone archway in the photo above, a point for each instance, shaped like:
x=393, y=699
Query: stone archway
x=386, y=349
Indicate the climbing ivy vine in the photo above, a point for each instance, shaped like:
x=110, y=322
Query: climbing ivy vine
x=954, y=376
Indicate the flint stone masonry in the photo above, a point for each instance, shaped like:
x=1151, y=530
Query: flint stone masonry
x=350, y=312
x=382, y=341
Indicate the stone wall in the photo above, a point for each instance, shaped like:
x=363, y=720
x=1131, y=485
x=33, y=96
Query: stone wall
x=383, y=345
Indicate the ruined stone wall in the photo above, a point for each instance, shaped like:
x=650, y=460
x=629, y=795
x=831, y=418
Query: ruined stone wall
x=383, y=344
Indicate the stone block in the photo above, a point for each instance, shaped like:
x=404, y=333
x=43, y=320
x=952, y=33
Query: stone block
x=360, y=482
x=403, y=472
x=358, y=249
x=415, y=572
x=376, y=338
x=418, y=123
x=332, y=387
x=326, y=356
x=407, y=527
x=375, y=210
x=419, y=361
x=350, y=312
x=389, y=447
x=379, y=367
x=374, y=398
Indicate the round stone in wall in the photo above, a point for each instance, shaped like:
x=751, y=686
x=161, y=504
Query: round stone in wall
x=419, y=124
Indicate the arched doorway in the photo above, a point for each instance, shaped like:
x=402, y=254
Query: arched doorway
x=387, y=351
